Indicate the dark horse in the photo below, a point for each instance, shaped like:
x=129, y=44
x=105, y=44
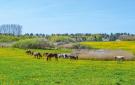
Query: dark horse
x=51, y=55
x=37, y=55
x=29, y=52
x=74, y=57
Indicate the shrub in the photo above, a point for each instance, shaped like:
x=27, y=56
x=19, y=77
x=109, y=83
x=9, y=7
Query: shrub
x=64, y=39
x=79, y=46
x=8, y=38
x=33, y=44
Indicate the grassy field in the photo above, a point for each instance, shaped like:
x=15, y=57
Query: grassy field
x=123, y=45
x=17, y=68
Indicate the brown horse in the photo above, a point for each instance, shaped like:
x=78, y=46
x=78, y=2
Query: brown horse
x=37, y=55
x=51, y=55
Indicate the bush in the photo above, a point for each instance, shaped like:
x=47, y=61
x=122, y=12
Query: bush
x=33, y=44
x=79, y=46
x=8, y=38
x=64, y=39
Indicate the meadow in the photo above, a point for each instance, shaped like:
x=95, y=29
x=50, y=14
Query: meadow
x=17, y=68
x=119, y=45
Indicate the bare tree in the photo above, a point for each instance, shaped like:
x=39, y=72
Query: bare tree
x=14, y=29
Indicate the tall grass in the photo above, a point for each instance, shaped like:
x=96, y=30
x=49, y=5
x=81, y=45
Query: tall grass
x=104, y=54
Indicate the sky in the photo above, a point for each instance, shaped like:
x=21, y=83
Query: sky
x=69, y=16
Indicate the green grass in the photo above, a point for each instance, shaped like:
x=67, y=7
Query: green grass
x=17, y=68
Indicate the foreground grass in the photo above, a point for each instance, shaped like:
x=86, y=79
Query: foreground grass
x=16, y=68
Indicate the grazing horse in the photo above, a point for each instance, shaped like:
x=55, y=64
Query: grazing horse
x=75, y=57
x=29, y=52
x=51, y=55
x=37, y=55
x=119, y=58
x=63, y=56
x=66, y=56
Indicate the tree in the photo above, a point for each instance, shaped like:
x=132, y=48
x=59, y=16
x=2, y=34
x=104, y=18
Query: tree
x=11, y=29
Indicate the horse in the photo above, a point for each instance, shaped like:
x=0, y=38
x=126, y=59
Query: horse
x=119, y=58
x=71, y=56
x=61, y=56
x=75, y=57
x=37, y=55
x=65, y=56
x=51, y=55
x=29, y=52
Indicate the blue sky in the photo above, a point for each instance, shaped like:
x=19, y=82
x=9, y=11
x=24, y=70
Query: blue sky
x=70, y=16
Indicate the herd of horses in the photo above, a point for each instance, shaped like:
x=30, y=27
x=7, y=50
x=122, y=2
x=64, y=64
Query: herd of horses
x=48, y=56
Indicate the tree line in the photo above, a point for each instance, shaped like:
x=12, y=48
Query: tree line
x=88, y=36
x=78, y=37
x=12, y=29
